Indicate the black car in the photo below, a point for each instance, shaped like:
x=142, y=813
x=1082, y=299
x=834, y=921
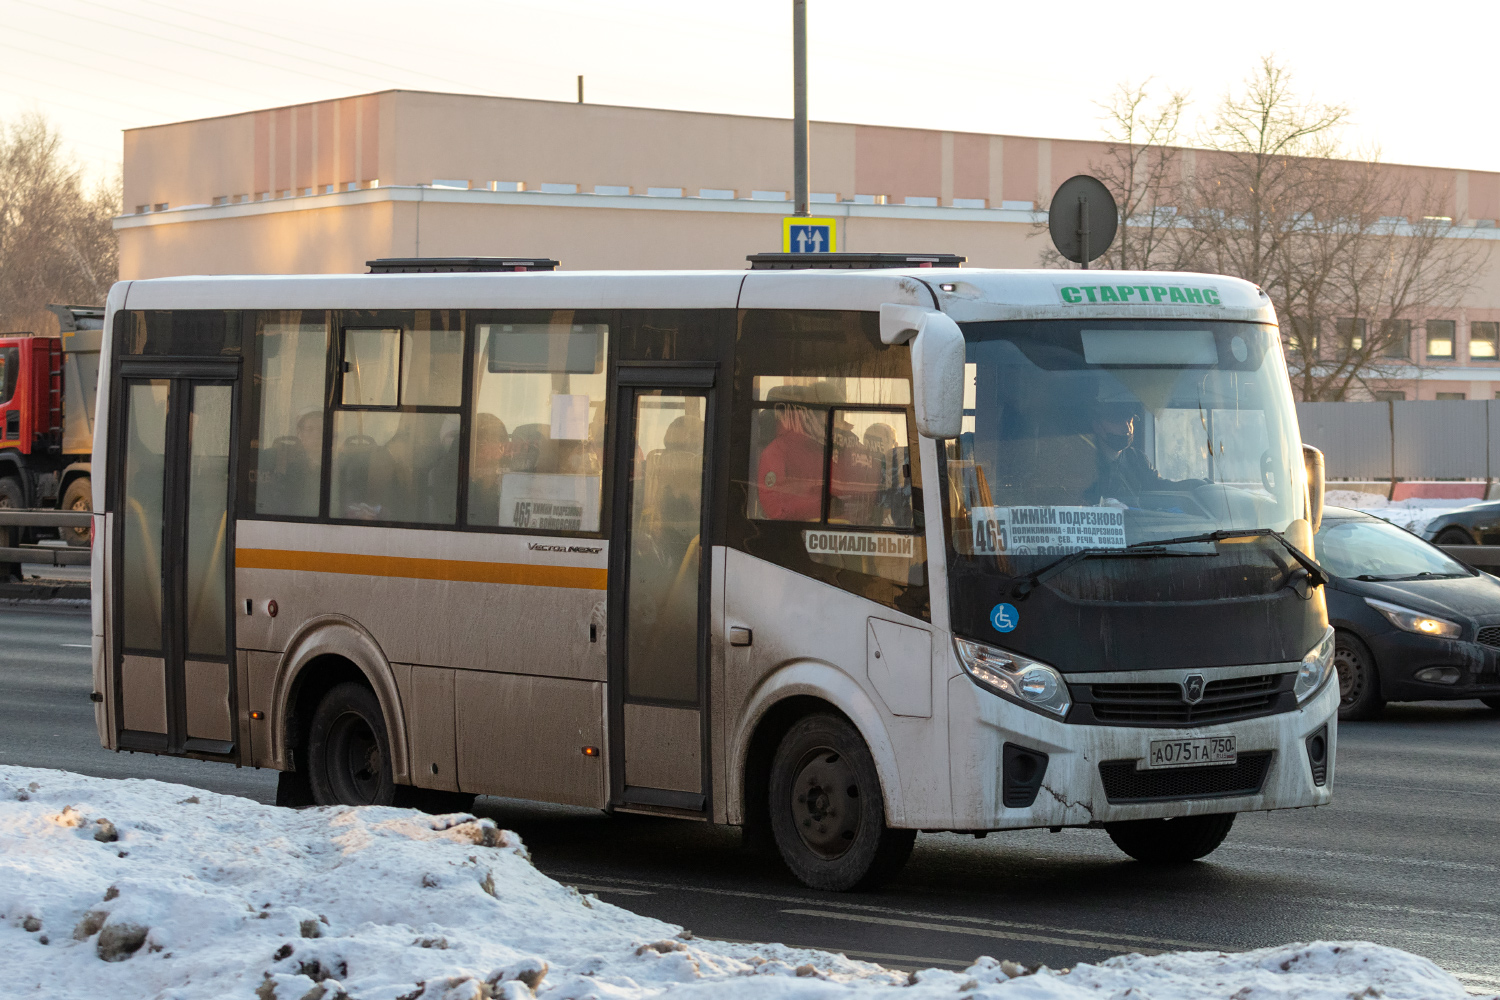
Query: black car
x=1476, y=524
x=1413, y=624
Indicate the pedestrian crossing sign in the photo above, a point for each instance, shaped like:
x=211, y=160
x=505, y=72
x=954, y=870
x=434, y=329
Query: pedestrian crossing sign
x=800, y=234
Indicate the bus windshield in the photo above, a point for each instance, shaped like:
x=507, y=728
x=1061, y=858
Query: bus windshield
x=1098, y=434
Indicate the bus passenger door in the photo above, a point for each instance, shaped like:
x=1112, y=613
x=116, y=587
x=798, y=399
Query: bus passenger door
x=172, y=484
x=658, y=614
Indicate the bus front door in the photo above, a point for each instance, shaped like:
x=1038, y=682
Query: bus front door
x=173, y=484
x=659, y=610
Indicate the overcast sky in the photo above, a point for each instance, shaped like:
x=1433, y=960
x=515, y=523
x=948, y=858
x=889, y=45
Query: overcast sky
x=1416, y=75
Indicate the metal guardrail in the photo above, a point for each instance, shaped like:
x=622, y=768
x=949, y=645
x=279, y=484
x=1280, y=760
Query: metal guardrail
x=47, y=555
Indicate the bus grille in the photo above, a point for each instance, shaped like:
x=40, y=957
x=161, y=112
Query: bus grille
x=1490, y=636
x=1162, y=705
x=1123, y=782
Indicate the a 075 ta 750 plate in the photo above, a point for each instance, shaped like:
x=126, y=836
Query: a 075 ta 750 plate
x=1189, y=753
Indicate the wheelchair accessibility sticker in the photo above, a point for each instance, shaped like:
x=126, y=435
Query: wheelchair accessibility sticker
x=1005, y=617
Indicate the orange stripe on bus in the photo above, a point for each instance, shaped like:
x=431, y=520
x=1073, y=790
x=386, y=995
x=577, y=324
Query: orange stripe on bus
x=459, y=570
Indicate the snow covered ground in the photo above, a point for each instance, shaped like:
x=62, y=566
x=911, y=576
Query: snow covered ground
x=140, y=889
x=1412, y=514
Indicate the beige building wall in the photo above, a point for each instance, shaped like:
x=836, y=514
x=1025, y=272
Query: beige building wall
x=326, y=186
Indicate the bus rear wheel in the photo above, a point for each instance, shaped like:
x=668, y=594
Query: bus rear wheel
x=348, y=750
x=1171, y=841
x=827, y=810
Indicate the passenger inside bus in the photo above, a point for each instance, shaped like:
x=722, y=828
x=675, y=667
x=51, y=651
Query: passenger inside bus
x=290, y=482
x=491, y=443
x=789, y=471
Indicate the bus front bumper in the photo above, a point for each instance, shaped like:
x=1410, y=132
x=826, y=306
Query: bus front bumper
x=1075, y=791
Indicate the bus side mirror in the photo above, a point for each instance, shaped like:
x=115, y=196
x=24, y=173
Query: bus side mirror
x=1312, y=458
x=937, y=365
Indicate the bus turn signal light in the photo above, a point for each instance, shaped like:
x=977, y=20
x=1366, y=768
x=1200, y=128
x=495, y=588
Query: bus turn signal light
x=591, y=751
x=257, y=716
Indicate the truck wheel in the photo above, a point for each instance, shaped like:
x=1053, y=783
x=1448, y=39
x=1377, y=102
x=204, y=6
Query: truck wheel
x=1359, y=682
x=79, y=496
x=348, y=752
x=827, y=810
x=12, y=494
x=1170, y=841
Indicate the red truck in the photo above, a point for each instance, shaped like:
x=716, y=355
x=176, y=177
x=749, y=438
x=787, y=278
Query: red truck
x=47, y=391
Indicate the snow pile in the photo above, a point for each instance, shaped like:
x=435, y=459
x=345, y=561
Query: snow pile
x=1412, y=514
x=140, y=889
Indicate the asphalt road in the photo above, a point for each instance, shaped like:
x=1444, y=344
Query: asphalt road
x=1406, y=856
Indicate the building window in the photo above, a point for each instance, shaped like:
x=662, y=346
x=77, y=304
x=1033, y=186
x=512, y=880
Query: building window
x=1483, y=339
x=1390, y=396
x=1451, y=395
x=1350, y=334
x=1304, y=334
x=1440, y=339
x=1395, y=338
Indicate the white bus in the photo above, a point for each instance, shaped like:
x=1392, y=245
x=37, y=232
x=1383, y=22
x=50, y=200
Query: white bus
x=833, y=554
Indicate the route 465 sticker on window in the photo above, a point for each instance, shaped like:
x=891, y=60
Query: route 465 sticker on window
x=1046, y=531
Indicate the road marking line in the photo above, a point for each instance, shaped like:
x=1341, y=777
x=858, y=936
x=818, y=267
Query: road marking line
x=1353, y=856
x=773, y=897
x=1411, y=788
x=778, y=898
x=928, y=925
x=583, y=887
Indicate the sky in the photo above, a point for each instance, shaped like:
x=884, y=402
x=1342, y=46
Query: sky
x=1417, y=90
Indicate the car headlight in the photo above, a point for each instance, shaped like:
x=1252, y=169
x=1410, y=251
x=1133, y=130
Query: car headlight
x=1414, y=621
x=1316, y=668
x=1015, y=677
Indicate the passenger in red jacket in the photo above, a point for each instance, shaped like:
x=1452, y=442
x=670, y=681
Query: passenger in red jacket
x=789, y=473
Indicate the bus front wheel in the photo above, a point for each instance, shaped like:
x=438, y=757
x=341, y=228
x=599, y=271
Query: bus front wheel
x=348, y=751
x=1171, y=841
x=827, y=810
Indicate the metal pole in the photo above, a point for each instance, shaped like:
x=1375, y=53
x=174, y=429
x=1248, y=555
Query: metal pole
x=580, y=88
x=1083, y=230
x=799, y=107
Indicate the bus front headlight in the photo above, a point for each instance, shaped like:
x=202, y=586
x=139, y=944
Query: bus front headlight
x=1015, y=677
x=1316, y=668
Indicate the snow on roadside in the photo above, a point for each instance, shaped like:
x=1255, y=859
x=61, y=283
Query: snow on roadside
x=1412, y=514
x=141, y=889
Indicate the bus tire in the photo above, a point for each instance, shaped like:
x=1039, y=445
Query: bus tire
x=1359, y=681
x=1171, y=841
x=1492, y=703
x=79, y=496
x=827, y=810
x=348, y=750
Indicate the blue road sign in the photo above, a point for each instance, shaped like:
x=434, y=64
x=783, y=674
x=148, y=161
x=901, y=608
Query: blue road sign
x=803, y=235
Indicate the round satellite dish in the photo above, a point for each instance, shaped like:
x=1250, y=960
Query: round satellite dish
x=1082, y=219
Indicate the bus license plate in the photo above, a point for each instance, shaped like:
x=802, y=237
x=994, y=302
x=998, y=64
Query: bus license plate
x=1187, y=753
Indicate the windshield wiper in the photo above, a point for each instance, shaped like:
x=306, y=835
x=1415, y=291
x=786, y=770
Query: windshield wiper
x=1316, y=576
x=1424, y=575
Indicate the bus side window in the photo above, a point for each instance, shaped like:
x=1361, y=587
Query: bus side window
x=396, y=428
x=536, y=451
x=288, y=461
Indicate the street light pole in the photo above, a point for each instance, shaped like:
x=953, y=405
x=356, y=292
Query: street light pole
x=799, y=103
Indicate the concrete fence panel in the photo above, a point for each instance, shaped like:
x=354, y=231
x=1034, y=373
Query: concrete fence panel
x=1355, y=437
x=1442, y=439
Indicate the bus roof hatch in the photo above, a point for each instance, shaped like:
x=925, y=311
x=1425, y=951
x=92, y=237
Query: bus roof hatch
x=453, y=265
x=857, y=261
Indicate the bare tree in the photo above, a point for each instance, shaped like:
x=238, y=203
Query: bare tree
x=56, y=240
x=1141, y=167
x=1349, y=252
